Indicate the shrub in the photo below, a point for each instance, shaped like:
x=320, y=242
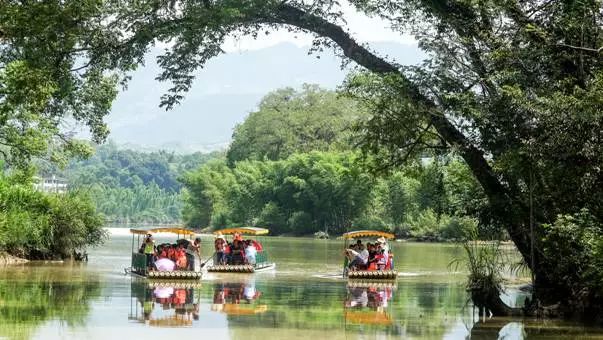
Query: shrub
x=573, y=247
x=460, y=228
x=46, y=226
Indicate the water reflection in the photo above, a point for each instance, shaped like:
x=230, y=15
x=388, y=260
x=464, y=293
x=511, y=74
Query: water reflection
x=237, y=298
x=30, y=298
x=96, y=301
x=164, y=304
x=368, y=304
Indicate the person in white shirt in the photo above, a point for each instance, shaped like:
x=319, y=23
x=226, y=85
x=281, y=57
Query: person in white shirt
x=364, y=255
x=250, y=252
x=357, y=259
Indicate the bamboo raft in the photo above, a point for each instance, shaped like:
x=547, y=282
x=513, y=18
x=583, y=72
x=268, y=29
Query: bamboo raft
x=176, y=284
x=182, y=275
x=368, y=283
x=373, y=274
x=241, y=268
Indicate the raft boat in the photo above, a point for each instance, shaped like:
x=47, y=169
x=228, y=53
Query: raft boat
x=167, y=304
x=261, y=258
x=387, y=271
x=369, y=305
x=139, y=265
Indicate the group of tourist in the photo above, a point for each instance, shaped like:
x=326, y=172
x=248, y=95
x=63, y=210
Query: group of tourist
x=372, y=256
x=237, y=252
x=182, y=255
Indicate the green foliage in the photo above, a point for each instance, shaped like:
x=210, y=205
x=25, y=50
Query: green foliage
x=141, y=204
x=290, y=121
x=45, y=226
x=132, y=186
x=327, y=191
x=43, y=83
x=301, y=194
x=520, y=81
x=572, y=248
x=485, y=262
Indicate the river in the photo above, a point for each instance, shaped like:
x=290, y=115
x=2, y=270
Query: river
x=304, y=298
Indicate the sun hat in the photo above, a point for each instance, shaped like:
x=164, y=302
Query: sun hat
x=381, y=240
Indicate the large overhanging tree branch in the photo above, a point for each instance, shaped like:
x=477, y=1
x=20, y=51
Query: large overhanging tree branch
x=496, y=83
x=497, y=193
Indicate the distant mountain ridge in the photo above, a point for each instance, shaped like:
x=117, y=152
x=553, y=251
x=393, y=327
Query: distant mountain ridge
x=225, y=91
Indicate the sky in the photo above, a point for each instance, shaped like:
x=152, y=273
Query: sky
x=362, y=28
x=231, y=85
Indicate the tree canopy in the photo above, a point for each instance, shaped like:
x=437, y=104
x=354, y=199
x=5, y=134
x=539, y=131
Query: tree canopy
x=49, y=79
x=289, y=121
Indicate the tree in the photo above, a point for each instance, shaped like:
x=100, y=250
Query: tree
x=291, y=121
x=47, y=79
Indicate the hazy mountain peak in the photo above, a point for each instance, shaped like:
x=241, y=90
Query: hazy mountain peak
x=225, y=91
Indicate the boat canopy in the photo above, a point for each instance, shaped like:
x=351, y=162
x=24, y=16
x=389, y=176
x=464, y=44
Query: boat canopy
x=243, y=231
x=368, y=318
x=237, y=309
x=367, y=233
x=171, y=321
x=177, y=231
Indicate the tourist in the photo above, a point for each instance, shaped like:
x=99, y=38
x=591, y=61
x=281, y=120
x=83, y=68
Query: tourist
x=354, y=258
x=250, y=252
x=181, y=258
x=164, y=264
x=372, y=260
x=220, y=247
x=364, y=255
x=193, y=254
x=237, y=255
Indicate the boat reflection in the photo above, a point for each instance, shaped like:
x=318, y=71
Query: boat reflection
x=237, y=298
x=367, y=303
x=164, y=304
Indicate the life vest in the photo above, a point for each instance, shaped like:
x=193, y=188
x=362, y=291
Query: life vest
x=149, y=247
x=171, y=253
x=179, y=297
x=257, y=245
x=181, y=259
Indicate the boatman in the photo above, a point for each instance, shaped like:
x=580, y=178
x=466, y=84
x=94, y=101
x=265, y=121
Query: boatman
x=149, y=250
x=193, y=254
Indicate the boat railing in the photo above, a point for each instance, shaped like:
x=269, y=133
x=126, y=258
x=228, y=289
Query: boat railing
x=139, y=263
x=261, y=257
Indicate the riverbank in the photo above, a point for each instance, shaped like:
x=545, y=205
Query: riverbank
x=7, y=259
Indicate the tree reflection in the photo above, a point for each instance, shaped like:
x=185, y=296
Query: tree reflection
x=31, y=296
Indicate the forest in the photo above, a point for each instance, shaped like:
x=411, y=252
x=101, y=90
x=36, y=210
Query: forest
x=292, y=167
x=129, y=186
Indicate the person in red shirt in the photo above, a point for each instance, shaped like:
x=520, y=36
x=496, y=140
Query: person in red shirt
x=180, y=254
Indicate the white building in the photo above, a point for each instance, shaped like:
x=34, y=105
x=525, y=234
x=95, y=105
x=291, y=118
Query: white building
x=51, y=184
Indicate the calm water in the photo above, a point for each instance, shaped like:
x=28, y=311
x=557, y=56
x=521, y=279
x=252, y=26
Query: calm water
x=304, y=298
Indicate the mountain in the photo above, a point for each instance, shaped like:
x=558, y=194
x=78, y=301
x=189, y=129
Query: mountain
x=225, y=91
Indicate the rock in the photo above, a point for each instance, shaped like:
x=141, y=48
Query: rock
x=321, y=235
x=6, y=259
